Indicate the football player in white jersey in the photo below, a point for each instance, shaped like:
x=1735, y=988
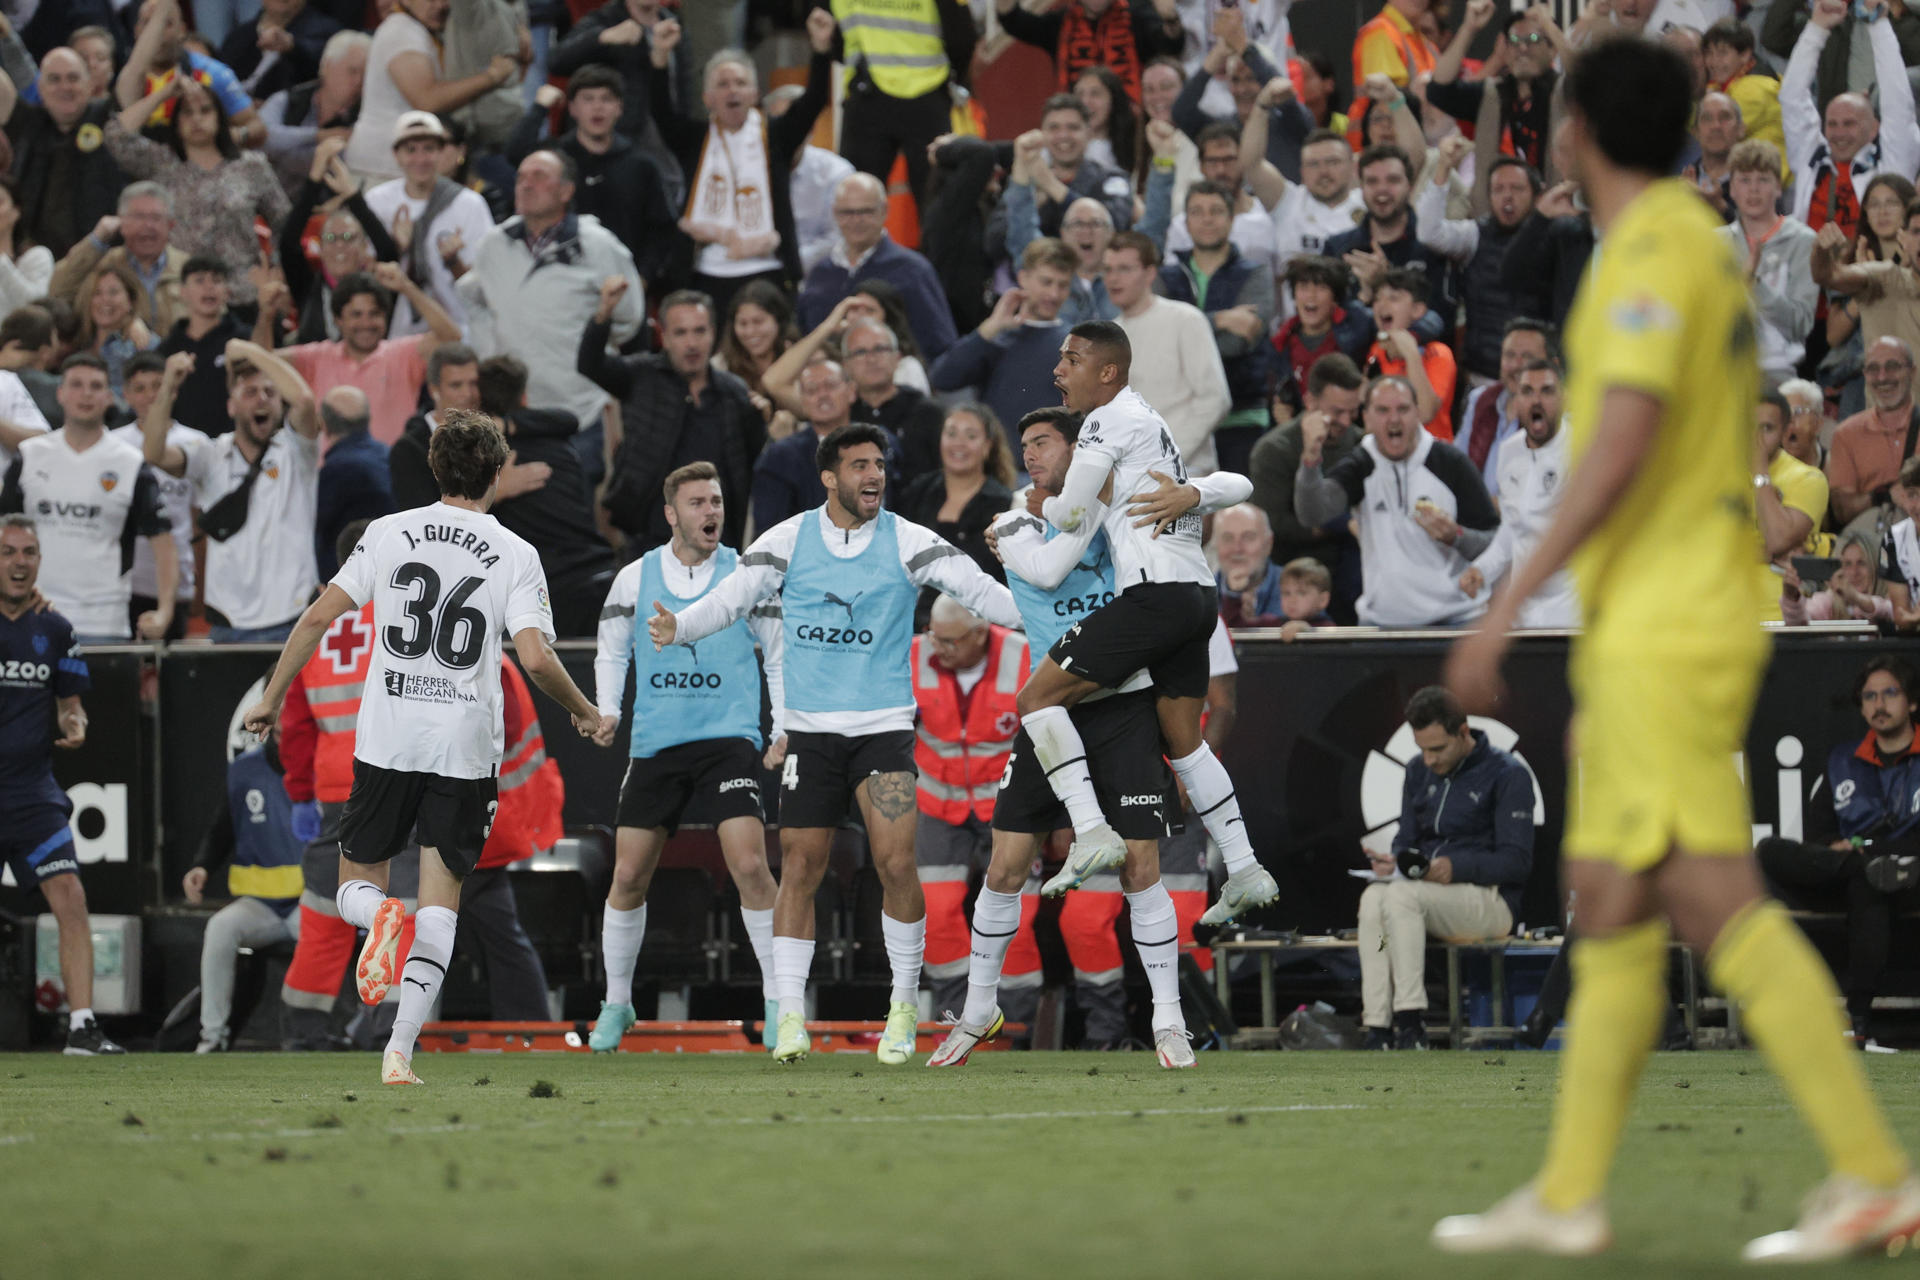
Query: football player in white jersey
x=1162, y=620
x=445, y=580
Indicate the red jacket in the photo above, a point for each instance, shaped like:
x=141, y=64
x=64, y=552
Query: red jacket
x=532, y=793
x=322, y=707
x=964, y=739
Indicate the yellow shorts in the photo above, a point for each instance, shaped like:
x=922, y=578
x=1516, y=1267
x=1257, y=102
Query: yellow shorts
x=1654, y=744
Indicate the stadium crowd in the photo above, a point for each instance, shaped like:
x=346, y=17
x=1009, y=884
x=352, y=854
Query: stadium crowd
x=639, y=247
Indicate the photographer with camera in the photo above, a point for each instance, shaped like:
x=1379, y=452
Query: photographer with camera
x=1456, y=870
x=1862, y=855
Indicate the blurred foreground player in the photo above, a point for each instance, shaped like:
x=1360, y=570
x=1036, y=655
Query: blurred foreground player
x=41, y=680
x=444, y=580
x=1661, y=346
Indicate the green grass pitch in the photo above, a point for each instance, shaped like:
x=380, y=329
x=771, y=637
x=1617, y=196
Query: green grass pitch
x=1046, y=1165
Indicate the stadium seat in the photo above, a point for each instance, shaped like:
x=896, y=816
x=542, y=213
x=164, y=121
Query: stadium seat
x=680, y=945
x=869, y=943
x=561, y=893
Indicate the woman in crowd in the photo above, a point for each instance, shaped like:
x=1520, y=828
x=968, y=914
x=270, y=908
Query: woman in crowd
x=1855, y=593
x=972, y=488
x=1113, y=122
x=1883, y=211
x=217, y=189
x=758, y=331
x=25, y=267
x=109, y=328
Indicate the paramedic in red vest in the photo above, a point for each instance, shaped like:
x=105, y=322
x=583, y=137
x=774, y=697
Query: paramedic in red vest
x=527, y=822
x=967, y=673
x=738, y=223
x=316, y=751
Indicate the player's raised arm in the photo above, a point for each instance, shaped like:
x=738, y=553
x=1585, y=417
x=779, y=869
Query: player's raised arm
x=306, y=637
x=932, y=561
x=758, y=575
x=1031, y=556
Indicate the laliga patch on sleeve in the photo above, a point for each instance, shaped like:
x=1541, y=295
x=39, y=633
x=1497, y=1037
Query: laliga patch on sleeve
x=1644, y=313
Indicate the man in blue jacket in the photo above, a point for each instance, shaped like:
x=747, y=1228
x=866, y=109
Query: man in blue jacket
x=1860, y=854
x=1459, y=862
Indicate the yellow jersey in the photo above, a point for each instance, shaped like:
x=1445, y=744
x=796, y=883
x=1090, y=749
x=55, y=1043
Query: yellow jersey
x=1802, y=488
x=1664, y=310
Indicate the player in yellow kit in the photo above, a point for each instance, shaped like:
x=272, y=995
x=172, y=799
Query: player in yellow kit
x=1658, y=526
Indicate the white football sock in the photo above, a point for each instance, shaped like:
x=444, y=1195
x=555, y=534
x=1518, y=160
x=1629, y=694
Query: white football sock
x=1211, y=791
x=357, y=901
x=1057, y=746
x=996, y=918
x=1156, y=936
x=906, y=949
x=760, y=938
x=425, y=970
x=78, y=1018
x=792, y=962
x=621, y=933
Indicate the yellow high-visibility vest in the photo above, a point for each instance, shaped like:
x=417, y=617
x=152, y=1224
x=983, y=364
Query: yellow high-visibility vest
x=900, y=39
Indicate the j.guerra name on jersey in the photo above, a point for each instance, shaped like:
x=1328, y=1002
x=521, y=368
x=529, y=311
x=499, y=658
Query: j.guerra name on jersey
x=454, y=536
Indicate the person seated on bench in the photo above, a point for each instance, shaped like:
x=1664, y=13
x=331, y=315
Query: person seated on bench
x=252, y=836
x=1459, y=862
x=1860, y=855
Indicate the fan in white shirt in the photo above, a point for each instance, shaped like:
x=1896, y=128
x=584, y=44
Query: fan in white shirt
x=92, y=497
x=1533, y=466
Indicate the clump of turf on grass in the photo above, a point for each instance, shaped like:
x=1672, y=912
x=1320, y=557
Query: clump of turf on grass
x=483, y=1080
x=350, y=1097
x=276, y=1155
x=328, y=1122
x=132, y=1121
x=610, y=1178
x=542, y=1089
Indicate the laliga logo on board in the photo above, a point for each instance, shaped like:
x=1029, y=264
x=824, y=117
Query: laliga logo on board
x=1384, y=775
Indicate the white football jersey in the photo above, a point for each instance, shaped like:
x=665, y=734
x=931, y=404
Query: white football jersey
x=444, y=582
x=1127, y=436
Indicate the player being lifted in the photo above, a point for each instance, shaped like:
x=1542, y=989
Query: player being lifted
x=445, y=580
x=1660, y=346
x=847, y=574
x=696, y=737
x=1161, y=622
x=1056, y=578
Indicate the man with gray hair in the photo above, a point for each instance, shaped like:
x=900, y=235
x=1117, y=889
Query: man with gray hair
x=297, y=115
x=870, y=353
x=738, y=163
x=967, y=674
x=1864, y=456
x=136, y=237
x=867, y=252
x=1248, y=580
x=67, y=179
x=354, y=476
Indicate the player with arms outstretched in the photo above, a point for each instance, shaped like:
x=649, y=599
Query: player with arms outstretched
x=1664, y=379
x=1162, y=620
x=445, y=580
x=1056, y=579
x=847, y=574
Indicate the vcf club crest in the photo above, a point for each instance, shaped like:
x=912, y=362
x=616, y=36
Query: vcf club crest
x=108, y=479
x=1385, y=773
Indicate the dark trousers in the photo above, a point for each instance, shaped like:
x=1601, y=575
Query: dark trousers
x=490, y=918
x=876, y=128
x=1812, y=877
x=577, y=603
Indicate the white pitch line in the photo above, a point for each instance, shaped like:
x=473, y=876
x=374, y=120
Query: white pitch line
x=1126, y=1113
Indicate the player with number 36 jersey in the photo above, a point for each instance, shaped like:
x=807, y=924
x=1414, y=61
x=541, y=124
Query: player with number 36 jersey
x=444, y=580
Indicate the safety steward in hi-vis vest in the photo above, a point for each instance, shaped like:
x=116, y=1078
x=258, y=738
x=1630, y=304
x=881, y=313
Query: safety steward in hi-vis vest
x=963, y=736
x=899, y=55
